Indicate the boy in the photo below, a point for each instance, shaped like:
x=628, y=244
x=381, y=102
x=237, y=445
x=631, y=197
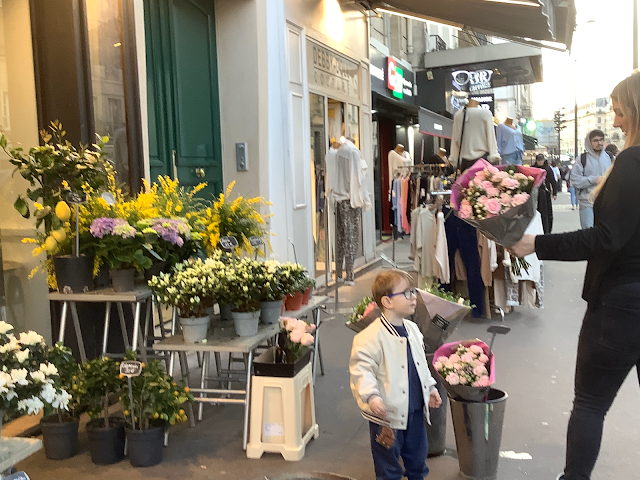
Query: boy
x=391, y=381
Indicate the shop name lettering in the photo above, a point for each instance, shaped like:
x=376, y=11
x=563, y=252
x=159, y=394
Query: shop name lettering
x=396, y=82
x=472, y=81
x=342, y=74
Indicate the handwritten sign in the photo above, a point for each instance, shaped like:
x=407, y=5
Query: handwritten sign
x=228, y=243
x=130, y=368
x=255, y=241
x=17, y=476
x=440, y=322
x=73, y=197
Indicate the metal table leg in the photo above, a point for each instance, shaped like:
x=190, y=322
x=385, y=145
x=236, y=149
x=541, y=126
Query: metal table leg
x=105, y=336
x=123, y=327
x=63, y=322
x=203, y=381
x=76, y=323
x=137, y=334
x=247, y=402
x=147, y=317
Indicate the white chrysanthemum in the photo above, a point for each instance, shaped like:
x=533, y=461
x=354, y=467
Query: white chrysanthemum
x=38, y=376
x=22, y=355
x=30, y=338
x=5, y=382
x=13, y=344
x=5, y=327
x=31, y=406
x=48, y=369
x=48, y=393
x=61, y=400
x=19, y=376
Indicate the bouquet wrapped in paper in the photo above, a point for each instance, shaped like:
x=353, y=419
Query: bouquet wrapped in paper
x=500, y=201
x=466, y=369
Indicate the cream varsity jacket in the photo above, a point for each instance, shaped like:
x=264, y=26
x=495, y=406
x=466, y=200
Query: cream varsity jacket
x=378, y=366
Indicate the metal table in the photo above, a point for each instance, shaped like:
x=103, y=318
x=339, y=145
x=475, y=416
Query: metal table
x=14, y=450
x=136, y=298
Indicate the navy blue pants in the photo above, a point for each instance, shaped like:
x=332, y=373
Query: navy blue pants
x=464, y=237
x=411, y=444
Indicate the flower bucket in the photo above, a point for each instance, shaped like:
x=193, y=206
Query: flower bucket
x=306, y=295
x=73, y=274
x=60, y=439
x=293, y=301
x=194, y=329
x=145, y=446
x=122, y=280
x=246, y=323
x=270, y=311
x=265, y=365
x=106, y=444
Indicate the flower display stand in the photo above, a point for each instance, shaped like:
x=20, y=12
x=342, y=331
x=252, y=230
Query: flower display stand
x=283, y=416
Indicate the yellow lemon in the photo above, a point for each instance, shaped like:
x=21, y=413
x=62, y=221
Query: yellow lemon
x=181, y=412
x=156, y=415
x=50, y=244
x=126, y=412
x=187, y=389
x=63, y=212
x=60, y=235
x=176, y=393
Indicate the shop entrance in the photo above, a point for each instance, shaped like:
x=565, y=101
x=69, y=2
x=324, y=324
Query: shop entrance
x=331, y=122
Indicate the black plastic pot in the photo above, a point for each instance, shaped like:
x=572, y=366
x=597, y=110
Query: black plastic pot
x=60, y=439
x=106, y=444
x=73, y=274
x=156, y=269
x=145, y=446
x=103, y=280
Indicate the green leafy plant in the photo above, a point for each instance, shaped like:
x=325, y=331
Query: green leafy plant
x=119, y=243
x=272, y=287
x=294, y=278
x=241, y=285
x=438, y=291
x=69, y=380
x=157, y=398
x=101, y=378
x=360, y=308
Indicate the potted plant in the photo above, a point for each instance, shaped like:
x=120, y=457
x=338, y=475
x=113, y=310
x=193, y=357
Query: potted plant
x=122, y=247
x=293, y=280
x=157, y=401
x=54, y=170
x=190, y=287
x=241, y=288
x=272, y=292
x=291, y=353
x=309, y=284
x=106, y=434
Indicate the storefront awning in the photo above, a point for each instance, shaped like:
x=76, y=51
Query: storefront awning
x=530, y=20
x=530, y=143
x=433, y=124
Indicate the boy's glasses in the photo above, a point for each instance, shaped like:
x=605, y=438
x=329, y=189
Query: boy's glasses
x=410, y=292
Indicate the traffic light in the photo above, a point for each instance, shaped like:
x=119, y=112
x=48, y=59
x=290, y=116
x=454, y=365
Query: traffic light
x=530, y=126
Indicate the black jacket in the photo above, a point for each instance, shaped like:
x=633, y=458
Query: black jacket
x=612, y=246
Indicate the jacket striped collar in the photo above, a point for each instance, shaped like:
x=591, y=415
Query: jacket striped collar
x=392, y=331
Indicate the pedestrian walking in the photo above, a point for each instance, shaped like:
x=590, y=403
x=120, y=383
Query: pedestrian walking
x=546, y=191
x=391, y=382
x=572, y=192
x=609, y=343
x=556, y=174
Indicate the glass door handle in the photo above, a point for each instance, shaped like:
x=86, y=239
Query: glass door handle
x=200, y=172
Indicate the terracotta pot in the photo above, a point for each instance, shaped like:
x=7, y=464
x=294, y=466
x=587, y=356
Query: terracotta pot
x=293, y=301
x=306, y=295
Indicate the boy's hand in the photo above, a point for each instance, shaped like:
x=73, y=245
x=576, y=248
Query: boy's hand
x=434, y=399
x=377, y=407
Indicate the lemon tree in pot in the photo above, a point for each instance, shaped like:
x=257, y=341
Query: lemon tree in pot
x=157, y=401
x=190, y=287
x=100, y=378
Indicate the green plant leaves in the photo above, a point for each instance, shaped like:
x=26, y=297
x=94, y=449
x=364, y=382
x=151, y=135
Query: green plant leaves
x=22, y=206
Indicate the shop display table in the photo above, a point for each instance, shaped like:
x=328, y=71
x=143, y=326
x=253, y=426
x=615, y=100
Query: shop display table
x=14, y=450
x=136, y=298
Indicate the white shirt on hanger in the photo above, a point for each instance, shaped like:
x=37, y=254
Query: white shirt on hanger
x=479, y=136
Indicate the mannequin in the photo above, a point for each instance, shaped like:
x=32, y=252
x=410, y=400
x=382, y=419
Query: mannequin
x=397, y=157
x=349, y=194
x=478, y=137
x=329, y=179
x=510, y=142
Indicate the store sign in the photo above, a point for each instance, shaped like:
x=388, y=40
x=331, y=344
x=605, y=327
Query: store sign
x=396, y=82
x=389, y=79
x=487, y=101
x=472, y=81
x=331, y=71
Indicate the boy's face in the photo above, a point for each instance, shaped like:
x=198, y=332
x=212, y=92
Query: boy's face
x=399, y=304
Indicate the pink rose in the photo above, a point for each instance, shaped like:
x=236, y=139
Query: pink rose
x=493, y=206
x=493, y=191
x=486, y=184
x=481, y=175
x=310, y=328
x=479, y=370
x=520, y=198
x=437, y=366
x=453, y=379
x=477, y=349
x=483, y=381
x=296, y=336
x=463, y=380
x=454, y=358
x=457, y=366
x=467, y=357
x=465, y=211
x=482, y=199
x=499, y=176
x=307, y=339
x=510, y=183
x=492, y=169
x=370, y=308
x=506, y=199
x=483, y=358
x=442, y=359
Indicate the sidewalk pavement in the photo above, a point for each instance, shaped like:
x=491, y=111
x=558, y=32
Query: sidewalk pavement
x=534, y=365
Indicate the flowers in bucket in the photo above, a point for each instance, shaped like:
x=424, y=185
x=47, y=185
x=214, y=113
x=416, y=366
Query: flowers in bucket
x=466, y=369
x=363, y=308
x=119, y=243
x=500, y=201
x=294, y=339
x=438, y=291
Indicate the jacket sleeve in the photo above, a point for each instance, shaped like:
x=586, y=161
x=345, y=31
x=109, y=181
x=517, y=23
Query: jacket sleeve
x=618, y=216
x=578, y=178
x=363, y=366
x=553, y=182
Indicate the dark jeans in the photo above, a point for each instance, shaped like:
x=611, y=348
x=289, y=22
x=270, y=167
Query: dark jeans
x=608, y=348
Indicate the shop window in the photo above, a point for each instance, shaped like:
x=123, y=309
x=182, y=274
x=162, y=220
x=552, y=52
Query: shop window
x=378, y=30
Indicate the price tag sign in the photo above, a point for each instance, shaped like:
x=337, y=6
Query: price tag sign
x=255, y=241
x=228, y=243
x=440, y=322
x=17, y=476
x=130, y=368
x=73, y=197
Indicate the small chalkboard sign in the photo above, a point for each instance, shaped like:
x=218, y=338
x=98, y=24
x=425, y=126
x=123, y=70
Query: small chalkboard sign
x=17, y=476
x=130, y=368
x=73, y=197
x=228, y=243
x=440, y=322
x=255, y=241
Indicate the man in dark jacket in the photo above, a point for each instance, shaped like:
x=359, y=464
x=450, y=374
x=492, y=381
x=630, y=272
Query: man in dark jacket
x=545, y=192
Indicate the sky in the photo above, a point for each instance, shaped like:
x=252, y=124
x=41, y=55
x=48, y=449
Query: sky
x=600, y=57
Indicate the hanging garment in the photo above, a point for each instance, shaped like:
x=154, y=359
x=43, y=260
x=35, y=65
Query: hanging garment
x=403, y=212
x=510, y=144
x=441, y=268
x=347, y=241
x=350, y=177
x=396, y=160
x=423, y=233
x=478, y=139
x=396, y=202
x=329, y=180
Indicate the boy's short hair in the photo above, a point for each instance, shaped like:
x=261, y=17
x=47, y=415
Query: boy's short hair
x=385, y=282
x=595, y=133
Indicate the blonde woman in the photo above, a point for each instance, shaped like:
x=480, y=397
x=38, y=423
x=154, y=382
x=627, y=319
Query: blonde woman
x=609, y=343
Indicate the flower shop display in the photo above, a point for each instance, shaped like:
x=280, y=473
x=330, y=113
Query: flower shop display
x=272, y=293
x=500, y=201
x=438, y=313
x=308, y=284
x=363, y=313
x=168, y=238
x=54, y=170
x=238, y=218
x=191, y=287
x=106, y=434
x=157, y=401
x=291, y=353
x=466, y=369
x=294, y=284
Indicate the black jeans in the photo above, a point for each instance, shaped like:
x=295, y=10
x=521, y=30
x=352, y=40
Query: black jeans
x=608, y=348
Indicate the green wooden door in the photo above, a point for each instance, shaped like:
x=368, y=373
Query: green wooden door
x=182, y=92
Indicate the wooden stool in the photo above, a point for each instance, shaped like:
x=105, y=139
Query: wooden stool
x=283, y=415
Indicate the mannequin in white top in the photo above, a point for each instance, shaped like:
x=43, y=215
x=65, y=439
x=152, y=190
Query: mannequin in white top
x=510, y=142
x=479, y=139
x=397, y=157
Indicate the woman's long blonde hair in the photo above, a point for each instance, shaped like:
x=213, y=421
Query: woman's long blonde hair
x=627, y=94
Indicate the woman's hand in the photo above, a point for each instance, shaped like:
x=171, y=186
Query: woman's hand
x=524, y=247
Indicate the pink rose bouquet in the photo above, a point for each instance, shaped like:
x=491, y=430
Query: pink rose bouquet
x=466, y=369
x=294, y=339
